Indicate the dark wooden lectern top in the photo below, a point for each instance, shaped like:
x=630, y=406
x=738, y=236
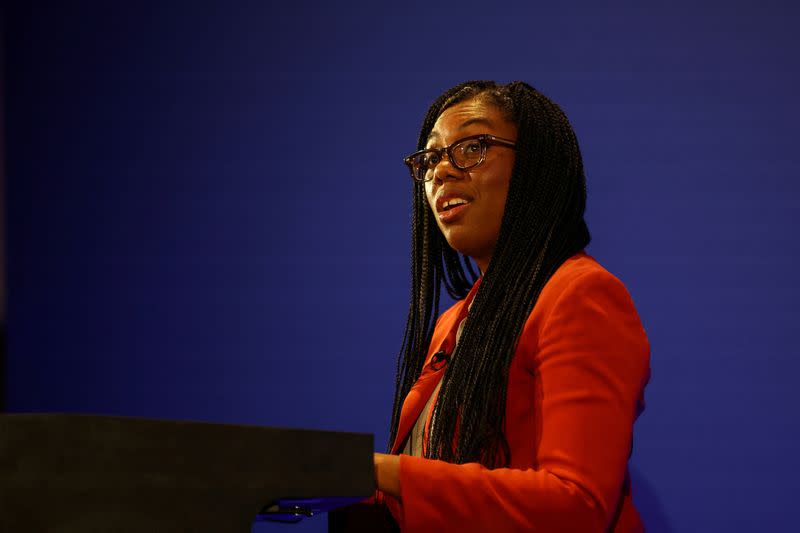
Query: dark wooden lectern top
x=81, y=473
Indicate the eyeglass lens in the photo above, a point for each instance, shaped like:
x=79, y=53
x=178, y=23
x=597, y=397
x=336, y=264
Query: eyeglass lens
x=464, y=155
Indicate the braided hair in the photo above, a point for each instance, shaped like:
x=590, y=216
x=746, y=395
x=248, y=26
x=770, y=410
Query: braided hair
x=542, y=226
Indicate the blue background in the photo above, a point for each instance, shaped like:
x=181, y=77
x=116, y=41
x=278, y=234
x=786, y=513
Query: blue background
x=208, y=217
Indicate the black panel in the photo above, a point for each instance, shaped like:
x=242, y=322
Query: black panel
x=85, y=473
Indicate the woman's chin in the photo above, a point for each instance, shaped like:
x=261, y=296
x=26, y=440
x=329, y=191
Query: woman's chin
x=464, y=242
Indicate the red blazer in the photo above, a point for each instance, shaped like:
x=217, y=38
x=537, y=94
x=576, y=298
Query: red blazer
x=575, y=388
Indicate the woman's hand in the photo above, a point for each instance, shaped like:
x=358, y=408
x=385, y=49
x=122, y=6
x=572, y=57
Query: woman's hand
x=387, y=473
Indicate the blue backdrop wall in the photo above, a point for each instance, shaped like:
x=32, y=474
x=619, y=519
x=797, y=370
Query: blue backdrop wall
x=208, y=217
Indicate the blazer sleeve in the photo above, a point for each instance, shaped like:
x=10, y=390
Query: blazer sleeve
x=591, y=364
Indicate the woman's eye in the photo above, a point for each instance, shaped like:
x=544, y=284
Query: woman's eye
x=472, y=147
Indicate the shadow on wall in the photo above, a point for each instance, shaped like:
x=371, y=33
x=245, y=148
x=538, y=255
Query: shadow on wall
x=648, y=505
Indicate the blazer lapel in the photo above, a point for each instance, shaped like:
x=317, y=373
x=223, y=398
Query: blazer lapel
x=415, y=401
x=421, y=391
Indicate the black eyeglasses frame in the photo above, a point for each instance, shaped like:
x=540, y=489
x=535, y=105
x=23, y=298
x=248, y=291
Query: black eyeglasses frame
x=485, y=140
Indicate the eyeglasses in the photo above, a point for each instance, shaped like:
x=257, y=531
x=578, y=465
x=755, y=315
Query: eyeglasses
x=463, y=154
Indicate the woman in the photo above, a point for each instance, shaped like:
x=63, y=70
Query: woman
x=514, y=409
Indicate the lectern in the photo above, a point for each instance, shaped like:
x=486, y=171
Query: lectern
x=81, y=473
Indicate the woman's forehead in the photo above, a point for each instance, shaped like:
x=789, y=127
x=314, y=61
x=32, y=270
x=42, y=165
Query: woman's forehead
x=458, y=118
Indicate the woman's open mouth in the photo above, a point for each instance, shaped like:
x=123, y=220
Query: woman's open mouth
x=453, y=209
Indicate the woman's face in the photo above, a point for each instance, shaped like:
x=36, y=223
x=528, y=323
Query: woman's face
x=473, y=228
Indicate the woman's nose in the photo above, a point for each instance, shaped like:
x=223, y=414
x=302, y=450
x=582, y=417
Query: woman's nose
x=445, y=170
